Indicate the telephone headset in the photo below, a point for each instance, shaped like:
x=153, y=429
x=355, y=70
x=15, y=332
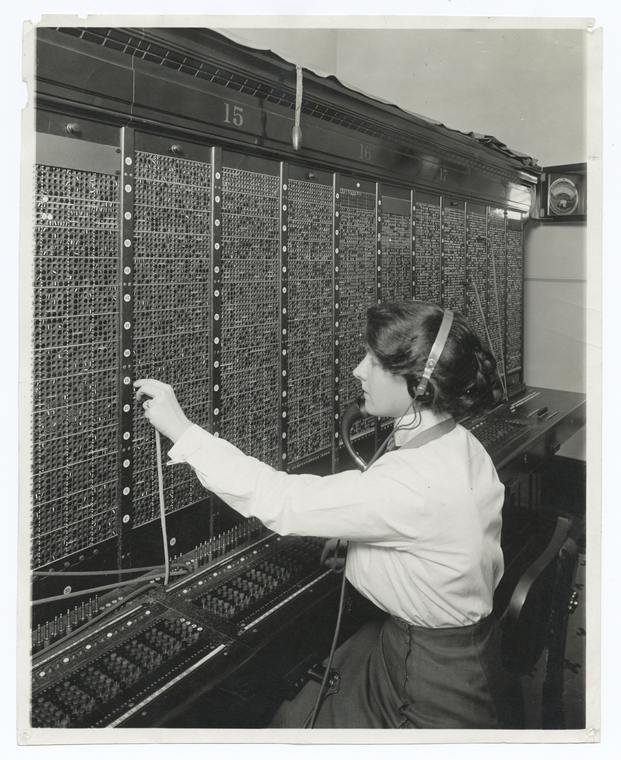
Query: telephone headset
x=417, y=388
x=334, y=555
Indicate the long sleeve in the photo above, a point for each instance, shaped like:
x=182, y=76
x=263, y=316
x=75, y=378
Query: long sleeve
x=350, y=505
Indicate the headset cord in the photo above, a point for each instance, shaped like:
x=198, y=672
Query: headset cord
x=393, y=433
x=381, y=449
x=312, y=717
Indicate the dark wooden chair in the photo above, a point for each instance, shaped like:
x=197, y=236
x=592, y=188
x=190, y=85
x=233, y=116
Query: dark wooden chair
x=532, y=604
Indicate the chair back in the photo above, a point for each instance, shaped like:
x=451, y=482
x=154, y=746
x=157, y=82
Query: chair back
x=535, y=586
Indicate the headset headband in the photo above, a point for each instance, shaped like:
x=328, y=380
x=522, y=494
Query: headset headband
x=436, y=351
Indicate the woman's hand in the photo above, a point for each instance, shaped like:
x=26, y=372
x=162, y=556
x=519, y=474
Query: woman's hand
x=161, y=408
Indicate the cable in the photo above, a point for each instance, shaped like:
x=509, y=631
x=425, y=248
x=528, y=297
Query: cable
x=160, y=483
x=166, y=568
x=152, y=576
x=107, y=587
x=503, y=377
x=156, y=568
x=56, y=573
x=312, y=717
x=95, y=619
x=489, y=339
x=296, y=133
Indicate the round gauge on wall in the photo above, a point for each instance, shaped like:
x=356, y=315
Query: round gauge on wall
x=563, y=196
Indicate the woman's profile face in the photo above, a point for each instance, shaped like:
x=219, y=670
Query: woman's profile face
x=385, y=394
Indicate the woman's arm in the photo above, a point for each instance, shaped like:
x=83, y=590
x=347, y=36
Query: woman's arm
x=351, y=505
x=373, y=506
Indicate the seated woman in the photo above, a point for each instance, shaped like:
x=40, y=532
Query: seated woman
x=423, y=525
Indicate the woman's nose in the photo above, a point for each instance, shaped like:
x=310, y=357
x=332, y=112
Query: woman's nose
x=359, y=370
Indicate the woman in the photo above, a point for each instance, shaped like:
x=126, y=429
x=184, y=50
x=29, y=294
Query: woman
x=423, y=525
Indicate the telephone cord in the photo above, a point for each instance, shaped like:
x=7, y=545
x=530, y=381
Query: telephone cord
x=160, y=483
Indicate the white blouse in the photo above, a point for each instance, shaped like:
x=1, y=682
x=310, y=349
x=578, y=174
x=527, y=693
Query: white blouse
x=423, y=523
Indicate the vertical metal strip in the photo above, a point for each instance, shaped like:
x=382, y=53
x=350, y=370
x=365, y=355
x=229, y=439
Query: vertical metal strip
x=467, y=263
x=464, y=262
x=413, y=243
x=126, y=311
x=378, y=237
x=378, y=275
x=522, y=300
x=488, y=265
x=499, y=302
x=336, y=358
x=441, y=252
x=216, y=289
x=505, y=286
x=283, y=310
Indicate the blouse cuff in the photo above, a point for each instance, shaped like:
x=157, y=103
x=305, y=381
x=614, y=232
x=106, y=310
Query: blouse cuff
x=191, y=441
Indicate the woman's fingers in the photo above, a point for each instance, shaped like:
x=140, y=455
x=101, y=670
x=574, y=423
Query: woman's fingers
x=161, y=407
x=151, y=387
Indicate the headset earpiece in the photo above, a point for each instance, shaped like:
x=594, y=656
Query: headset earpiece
x=417, y=390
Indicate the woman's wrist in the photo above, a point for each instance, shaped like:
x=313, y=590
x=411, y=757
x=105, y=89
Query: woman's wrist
x=176, y=431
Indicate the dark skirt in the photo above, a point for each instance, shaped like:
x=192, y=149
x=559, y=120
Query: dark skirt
x=396, y=675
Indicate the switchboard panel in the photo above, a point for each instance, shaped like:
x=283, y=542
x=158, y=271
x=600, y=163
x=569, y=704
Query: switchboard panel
x=453, y=257
x=75, y=361
x=357, y=262
x=249, y=297
x=397, y=259
x=249, y=328
x=427, y=239
x=497, y=251
x=477, y=268
x=514, y=294
x=171, y=327
x=310, y=320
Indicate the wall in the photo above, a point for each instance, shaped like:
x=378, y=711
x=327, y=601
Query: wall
x=524, y=86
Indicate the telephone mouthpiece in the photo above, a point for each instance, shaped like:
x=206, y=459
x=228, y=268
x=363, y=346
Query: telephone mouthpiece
x=355, y=411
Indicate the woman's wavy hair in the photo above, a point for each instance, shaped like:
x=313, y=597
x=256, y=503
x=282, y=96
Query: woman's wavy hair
x=400, y=335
